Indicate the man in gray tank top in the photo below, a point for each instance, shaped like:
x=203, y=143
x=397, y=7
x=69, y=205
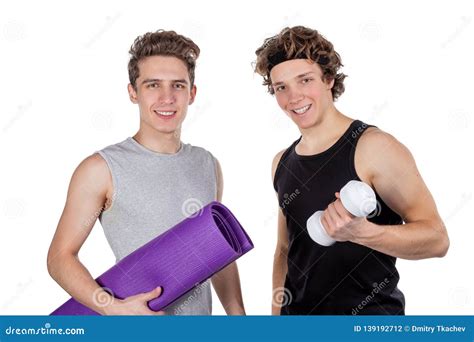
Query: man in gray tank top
x=144, y=185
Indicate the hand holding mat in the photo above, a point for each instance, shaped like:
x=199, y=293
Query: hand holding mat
x=177, y=260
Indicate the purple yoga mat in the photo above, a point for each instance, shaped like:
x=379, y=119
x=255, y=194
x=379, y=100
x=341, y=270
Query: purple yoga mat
x=177, y=260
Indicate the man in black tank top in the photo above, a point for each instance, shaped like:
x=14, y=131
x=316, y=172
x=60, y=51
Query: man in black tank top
x=357, y=274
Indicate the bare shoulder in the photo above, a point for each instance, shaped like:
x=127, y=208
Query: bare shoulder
x=373, y=137
x=93, y=166
x=376, y=142
x=380, y=152
x=93, y=173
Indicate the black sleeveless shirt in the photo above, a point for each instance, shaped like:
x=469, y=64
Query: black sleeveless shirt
x=345, y=278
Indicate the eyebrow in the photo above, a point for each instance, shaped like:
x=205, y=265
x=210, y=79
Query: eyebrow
x=299, y=76
x=150, y=80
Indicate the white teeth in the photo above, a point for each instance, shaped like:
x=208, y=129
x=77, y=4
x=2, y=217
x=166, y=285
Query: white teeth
x=301, y=110
x=165, y=113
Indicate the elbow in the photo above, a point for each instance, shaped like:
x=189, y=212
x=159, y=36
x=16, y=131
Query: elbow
x=443, y=241
x=443, y=247
x=281, y=252
x=55, y=261
x=50, y=264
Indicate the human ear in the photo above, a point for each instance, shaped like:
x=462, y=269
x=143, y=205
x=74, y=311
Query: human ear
x=192, y=94
x=331, y=84
x=132, y=94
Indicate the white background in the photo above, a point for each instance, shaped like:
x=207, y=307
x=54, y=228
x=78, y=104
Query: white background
x=63, y=96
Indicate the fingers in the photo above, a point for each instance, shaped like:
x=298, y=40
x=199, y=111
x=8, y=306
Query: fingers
x=335, y=217
x=152, y=294
x=155, y=293
x=138, y=304
x=334, y=211
x=326, y=224
x=343, y=214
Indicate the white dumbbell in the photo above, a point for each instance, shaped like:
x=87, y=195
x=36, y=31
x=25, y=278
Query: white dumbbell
x=357, y=197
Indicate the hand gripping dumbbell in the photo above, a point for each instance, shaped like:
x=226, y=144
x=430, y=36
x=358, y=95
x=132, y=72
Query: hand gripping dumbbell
x=357, y=197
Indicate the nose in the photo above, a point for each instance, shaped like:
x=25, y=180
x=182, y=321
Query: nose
x=295, y=96
x=166, y=96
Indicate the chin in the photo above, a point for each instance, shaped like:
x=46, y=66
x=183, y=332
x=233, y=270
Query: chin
x=166, y=127
x=166, y=130
x=304, y=124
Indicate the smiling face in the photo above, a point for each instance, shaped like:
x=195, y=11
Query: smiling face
x=163, y=93
x=301, y=92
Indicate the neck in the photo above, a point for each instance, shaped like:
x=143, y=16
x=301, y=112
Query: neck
x=324, y=132
x=166, y=143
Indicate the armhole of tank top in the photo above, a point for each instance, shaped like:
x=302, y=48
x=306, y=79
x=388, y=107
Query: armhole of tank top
x=352, y=167
x=114, y=181
x=214, y=167
x=283, y=156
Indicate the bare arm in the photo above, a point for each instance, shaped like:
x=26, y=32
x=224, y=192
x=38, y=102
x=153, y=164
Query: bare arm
x=87, y=197
x=227, y=282
x=280, y=266
x=390, y=169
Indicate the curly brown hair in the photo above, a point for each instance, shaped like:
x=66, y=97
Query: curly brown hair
x=162, y=43
x=300, y=42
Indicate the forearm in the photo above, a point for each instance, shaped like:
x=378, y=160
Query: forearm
x=227, y=286
x=75, y=279
x=280, y=269
x=413, y=241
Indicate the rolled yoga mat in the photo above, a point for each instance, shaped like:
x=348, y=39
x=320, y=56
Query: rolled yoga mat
x=178, y=260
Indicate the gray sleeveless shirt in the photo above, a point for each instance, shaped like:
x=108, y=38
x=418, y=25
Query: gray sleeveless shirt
x=152, y=193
